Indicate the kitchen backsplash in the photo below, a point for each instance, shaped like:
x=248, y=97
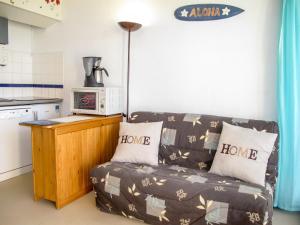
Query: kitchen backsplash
x=18, y=68
x=48, y=70
x=32, y=74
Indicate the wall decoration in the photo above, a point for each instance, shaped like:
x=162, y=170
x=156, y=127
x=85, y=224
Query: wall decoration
x=205, y=12
x=57, y=2
x=49, y=8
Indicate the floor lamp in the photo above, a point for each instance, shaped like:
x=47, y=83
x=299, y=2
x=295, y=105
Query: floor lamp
x=130, y=27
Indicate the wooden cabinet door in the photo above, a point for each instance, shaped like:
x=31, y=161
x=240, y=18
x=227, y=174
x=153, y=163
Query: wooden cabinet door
x=70, y=178
x=78, y=153
x=43, y=163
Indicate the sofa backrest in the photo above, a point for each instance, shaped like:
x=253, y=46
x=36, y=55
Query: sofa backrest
x=191, y=140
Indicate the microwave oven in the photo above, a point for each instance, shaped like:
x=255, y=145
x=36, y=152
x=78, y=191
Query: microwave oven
x=97, y=100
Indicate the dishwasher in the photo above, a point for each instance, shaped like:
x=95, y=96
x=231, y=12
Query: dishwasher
x=15, y=141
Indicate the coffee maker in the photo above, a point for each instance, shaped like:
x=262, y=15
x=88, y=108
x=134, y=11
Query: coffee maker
x=93, y=72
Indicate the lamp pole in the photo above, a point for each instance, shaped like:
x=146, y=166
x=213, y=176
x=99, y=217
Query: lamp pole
x=129, y=27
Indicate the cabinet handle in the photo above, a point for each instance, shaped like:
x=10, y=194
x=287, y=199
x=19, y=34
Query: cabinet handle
x=35, y=115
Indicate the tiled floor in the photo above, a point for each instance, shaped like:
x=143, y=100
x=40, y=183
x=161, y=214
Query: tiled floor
x=18, y=208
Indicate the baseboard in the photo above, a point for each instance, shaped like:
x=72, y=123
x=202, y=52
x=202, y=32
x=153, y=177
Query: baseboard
x=14, y=173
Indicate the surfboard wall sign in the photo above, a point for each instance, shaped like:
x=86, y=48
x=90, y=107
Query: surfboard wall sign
x=206, y=12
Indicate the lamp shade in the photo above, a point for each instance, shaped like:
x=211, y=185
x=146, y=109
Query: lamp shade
x=130, y=26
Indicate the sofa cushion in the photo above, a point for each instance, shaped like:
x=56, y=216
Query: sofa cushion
x=191, y=140
x=243, y=153
x=138, y=143
x=156, y=195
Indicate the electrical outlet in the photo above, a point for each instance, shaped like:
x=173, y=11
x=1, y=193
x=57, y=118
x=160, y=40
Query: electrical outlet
x=3, y=56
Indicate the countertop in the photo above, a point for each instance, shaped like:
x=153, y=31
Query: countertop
x=88, y=120
x=29, y=101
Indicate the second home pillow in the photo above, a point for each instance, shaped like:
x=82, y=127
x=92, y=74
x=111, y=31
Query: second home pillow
x=243, y=153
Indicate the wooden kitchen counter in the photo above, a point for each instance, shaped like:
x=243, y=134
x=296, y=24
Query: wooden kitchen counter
x=63, y=155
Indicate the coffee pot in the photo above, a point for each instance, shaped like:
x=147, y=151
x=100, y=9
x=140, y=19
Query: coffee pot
x=93, y=72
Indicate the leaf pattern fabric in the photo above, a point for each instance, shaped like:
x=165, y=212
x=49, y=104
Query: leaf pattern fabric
x=180, y=190
x=198, y=135
x=193, y=196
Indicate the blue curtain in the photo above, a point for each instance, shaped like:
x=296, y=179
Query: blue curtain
x=288, y=92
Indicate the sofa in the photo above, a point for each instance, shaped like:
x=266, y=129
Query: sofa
x=180, y=190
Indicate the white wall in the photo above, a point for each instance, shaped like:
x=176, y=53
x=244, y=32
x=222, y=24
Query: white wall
x=87, y=30
x=47, y=69
x=19, y=67
x=225, y=67
x=26, y=67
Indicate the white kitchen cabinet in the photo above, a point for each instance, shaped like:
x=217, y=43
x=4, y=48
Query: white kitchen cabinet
x=15, y=148
x=46, y=111
x=15, y=140
x=40, y=13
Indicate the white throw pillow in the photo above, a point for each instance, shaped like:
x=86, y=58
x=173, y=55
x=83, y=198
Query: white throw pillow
x=138, y=143
x=243, y=153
